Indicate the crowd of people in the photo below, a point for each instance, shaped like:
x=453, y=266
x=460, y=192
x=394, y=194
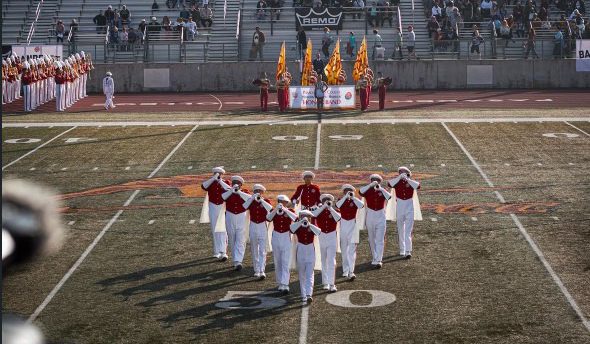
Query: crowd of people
x=41, y=79
x=305, y=231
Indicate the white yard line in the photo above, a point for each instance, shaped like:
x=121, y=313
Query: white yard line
x=316, y=165
x=100, y=235
x=304, y=324
x=526, y=235
x=37, y=148
x=578, y=129
x=278, y=121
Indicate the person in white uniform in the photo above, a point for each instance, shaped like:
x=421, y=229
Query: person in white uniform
x=108, y=88
x=259, y=208
x=305, y=232
x=235, y=220
x=214, y=208
x=327, y=218
x=376, y=198
x=282, y=218
x=349, y=206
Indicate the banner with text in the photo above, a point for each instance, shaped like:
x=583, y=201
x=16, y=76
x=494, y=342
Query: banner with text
x=33, y=51
x=309, y=19
x=583, y=55
x=336, y=97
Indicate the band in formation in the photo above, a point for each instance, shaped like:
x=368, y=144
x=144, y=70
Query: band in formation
x=307, y=230
x=45, y=78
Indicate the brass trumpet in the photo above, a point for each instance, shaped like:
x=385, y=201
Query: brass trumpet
x=305, y=223
x=377, y=187
x=329, y=203
x=350, y=195
x=258, y=198
x=280, y=210
x=236, y=188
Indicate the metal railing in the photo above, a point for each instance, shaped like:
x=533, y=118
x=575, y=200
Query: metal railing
x=34, y=23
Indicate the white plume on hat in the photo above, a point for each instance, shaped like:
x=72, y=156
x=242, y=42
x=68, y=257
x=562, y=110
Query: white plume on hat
x=283, y=198
x=326, y=196
x=308, y=173
x=237, y=179
x=258, y=187
x=218, y=169
x=305, y=213
x=376, y=176
x=109, y=74
x=404, y=168
x=347, y=187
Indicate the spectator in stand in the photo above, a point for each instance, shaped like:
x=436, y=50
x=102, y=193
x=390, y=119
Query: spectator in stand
x=377, y=42
x=372, y=14
x=580, y=6
x=60, y=31
x=179, y=24
x=476, y=41
x=301, y=43
x=529, y=13
x=74, y=31
x=436, y=11
x=580, y=24
x=398, y=44
x=543, y=14
x=206, y=16
x=155, y=7
x=261, y=10
x=171, y=3
x=196, y=14
x=110, y=15
x=587, y=31
x=387, y=14
x=469, y=11
x=326, y=42
x=154, y=26
x=536, y=22
x=117, y=19
x=486, y=8
x=319, y=64
x=166, y=24
x=184, y=14
x=506, y=32
x=503, y=11
x=142, y=28
x=351, y=44
x=100, y=21
x=359, y=6
x=530, y=44
x=433, y=26
x=557, y=42
x=275, y=11
x=455, y=18
x=132, y=36
x=114, y=36
x=411, y=42
x=125, y=16
x=258, y=41
x=124, y=38
x=191, y=28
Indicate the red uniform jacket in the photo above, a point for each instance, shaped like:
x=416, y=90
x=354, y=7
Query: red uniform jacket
x=403, y=190
x=60, y=80
x=27, y=79
x=282, y=223
x=326, y=221
x=305, y=235
x=258, y=212
x=348, y=210
x=215, y=191
x=375, y=199
x=235, y=204
x=310, y=194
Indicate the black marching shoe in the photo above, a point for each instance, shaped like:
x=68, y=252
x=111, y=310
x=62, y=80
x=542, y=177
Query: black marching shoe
x=238, y=267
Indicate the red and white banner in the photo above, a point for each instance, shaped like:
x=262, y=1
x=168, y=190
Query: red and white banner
x=38, y=50
x=336, y=97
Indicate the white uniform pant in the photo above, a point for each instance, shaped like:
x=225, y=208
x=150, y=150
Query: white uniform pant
x=109, y=100
x=347, y=228
x=258, y=238
x=328, y=246
x=4, y=92
x=33, y=95
x=27, y=90
x=219, y=238
x=376, y=229
x=17, y=88
x=60, y=97
x=236, y=235
x=405, y=224
x=68, y=94
x=305, y=264
x=281, y=252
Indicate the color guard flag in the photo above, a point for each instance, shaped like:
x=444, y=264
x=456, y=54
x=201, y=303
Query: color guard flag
x=307, y=65
x=362, y=61
x=334, y=66
x=281, y=65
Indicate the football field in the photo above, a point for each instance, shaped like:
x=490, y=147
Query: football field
x=502, y=255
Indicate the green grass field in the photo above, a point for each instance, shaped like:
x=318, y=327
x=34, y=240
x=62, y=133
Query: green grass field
x=473, y=277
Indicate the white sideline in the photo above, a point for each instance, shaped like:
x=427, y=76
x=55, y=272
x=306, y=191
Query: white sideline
x=304, y=322
x=578, y=129
x=100, y=235
x=36, y=149
x=526, y=235
x=392, y=120
x=318, y=141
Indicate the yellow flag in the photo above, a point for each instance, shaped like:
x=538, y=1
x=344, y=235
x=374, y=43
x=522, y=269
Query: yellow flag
x=281, y=65
x=362, y=61
x=334, y=66
x=307, y=65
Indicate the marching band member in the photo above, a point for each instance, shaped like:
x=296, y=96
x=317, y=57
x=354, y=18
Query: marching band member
x=349, y=206
x=327, y=220
x=362, y=85
x=264, y=84
x=27, y=81
x=382, y=83
x=235, y=219
x=375, y=197
x=60, y=88
x=213, y=211
x=307, y=194
x=282, y=218
x=305, y=233
x=259, y=208
x=283, y=90
x=108, y=88
x=405, y=209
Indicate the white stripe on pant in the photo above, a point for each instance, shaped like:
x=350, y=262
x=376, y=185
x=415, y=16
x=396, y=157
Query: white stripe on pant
x=305, y=264
x=219, y=238
x=27, y=90
x=234, y=224
x=376, y=230
x=348, y=248
x=328, y=245
x=405, y=225
x=281, y=252
x=258, y=237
